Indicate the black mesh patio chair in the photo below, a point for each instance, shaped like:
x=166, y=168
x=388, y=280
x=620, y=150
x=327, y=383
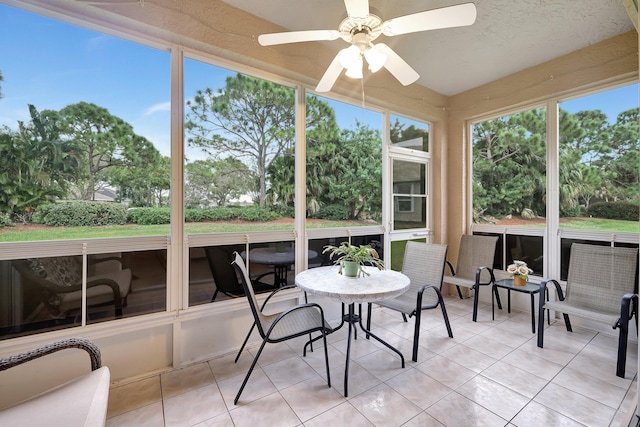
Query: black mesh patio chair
x=424, y=264
x=302, y=319
x=474, y=267
x=601, y=286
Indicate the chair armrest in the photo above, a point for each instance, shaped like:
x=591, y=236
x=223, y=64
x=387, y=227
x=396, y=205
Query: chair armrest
x=264, y=304
x=80, y=343
x=628, y=305
x=453, y=272
x=479, y=272
x=421, y=292
x=543, y=288
x=115, y=288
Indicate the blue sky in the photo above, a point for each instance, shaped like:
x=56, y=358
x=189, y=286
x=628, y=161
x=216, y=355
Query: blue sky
x=51, y=64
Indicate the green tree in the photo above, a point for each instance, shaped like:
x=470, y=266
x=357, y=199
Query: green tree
x=359, y=185
x=623, y=159
x=143, y=185
x=216, y=182
x=101, y=141
x=249, y=119
x=323, y=162
x=509, y=164
x=343, y=169
x=35, y=164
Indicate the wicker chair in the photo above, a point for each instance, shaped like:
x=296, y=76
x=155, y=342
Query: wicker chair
x=424, y=264
x=294, y=322
x=474, y=267
x=601, y=286
x=79, y=402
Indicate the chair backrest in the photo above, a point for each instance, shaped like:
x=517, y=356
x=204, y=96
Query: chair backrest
x=599, y=276
x=222, y=271
x=424, y=264
x=475, y=251
x=260, y=319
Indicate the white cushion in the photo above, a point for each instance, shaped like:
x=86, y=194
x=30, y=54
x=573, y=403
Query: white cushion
x=79, y=402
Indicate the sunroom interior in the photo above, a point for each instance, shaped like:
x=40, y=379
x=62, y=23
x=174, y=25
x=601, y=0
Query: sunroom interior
x=171, y=319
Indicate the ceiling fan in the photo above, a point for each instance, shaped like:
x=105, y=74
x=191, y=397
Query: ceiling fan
x=361, y=28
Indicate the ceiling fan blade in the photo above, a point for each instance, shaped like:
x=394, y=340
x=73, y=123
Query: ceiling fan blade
x=357, y=8
x=446, y=17
x=297, y=36
x=397, y=66
x=331, y=75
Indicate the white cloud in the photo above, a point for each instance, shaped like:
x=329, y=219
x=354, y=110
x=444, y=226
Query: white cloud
x=163, y=106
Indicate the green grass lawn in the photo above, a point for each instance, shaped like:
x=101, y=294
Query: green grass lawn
x=22, y=233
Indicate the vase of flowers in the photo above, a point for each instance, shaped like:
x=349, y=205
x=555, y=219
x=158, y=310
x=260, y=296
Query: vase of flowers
x=520, y=272
x=353, y=258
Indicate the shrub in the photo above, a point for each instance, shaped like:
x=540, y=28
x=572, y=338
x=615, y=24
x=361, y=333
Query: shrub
x=5, y=220
x=84, y=213
x=256, y=213
x=334, y=213
x=285, y=211
x=150, y=216
x=41, y=212
x=615, y=210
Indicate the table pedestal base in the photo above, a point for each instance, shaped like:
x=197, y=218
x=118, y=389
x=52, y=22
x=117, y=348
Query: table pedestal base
x=353, y=319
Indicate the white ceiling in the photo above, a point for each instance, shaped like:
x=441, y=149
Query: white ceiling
x=508, y=35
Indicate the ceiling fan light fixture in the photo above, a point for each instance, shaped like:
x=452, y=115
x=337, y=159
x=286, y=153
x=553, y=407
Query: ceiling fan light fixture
x=375, y=59
x=349, y=57
x=355, y=69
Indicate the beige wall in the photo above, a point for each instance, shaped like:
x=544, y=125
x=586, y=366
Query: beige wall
x=610, y=61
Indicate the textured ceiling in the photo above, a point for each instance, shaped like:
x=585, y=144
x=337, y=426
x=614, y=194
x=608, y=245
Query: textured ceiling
x=508, y=35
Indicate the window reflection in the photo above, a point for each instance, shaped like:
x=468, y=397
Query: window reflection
x=44, y=294
x=407, y=133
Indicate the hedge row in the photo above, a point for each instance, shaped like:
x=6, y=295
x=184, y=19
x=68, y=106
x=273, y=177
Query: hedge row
x=146, y=216
x=80, y=213
x=615, y=210
x=86, y=213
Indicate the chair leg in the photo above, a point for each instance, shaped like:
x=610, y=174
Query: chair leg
x=541, y=310
x=623, y=324
x=246, y=378
x=368, y=319
x=459, y=292
x=326, y=358
x=244, y=343
x=118, y=308
x=567, y=322
x=497, y=297
x=475, y=302
x=622, y=347
x=215, y=294
x=446, y=317
x=416, y=335
x=404, y=317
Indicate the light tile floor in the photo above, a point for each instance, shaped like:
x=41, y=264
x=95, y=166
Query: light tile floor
x=490, y=374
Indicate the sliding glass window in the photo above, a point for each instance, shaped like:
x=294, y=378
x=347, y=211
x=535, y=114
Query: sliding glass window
x=84, y=146
x=239, y=180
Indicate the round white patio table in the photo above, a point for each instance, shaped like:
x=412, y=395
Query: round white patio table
x=379, y=285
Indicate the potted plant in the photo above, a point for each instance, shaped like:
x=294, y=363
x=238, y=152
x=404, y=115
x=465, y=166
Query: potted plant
x=520, y=272
x=353, y=258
